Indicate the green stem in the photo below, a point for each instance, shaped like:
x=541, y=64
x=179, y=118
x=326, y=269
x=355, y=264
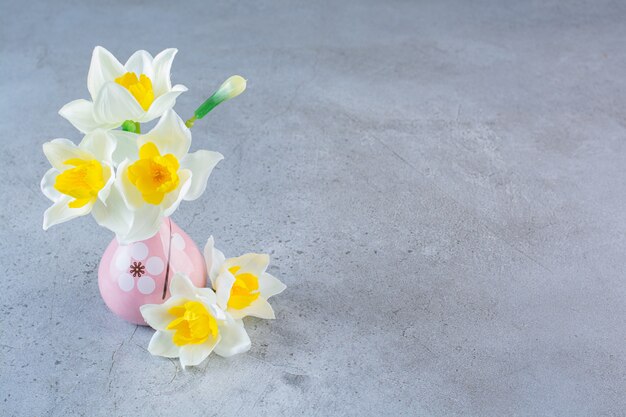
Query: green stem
x=207, y=106
x=204, y=109
x=131, y=126
x=189, y=123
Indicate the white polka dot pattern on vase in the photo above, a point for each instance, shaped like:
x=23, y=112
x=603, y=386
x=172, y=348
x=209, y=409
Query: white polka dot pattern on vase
x=178, y=242
x=126, y=282
x=146, y=285
x=155, y=265
x=122, y=258
x=139, y=251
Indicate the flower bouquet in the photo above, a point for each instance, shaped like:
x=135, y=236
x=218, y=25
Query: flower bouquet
x=131, y=182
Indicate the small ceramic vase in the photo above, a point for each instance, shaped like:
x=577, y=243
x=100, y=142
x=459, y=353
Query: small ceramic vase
x=139, y=273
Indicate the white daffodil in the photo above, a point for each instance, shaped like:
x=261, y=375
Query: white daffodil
x=139, y=90
x=154, y=181
x=80, y=178
x=190, y=325
x=241, y=284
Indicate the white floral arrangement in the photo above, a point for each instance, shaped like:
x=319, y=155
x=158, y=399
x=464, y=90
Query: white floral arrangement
x=129, y=181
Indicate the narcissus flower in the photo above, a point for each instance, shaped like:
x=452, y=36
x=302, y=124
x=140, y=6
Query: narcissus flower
x=81, y=176
x=190, y=325
x=241, y=284
x=140, y=90
x=154, y=181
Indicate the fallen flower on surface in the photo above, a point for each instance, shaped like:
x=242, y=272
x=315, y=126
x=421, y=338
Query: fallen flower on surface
x=241, y=284
x=190, y=325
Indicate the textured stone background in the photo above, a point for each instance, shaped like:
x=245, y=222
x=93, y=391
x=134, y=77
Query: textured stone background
x=440, y=184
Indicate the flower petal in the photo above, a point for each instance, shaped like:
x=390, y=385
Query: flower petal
x=163, y=103
x=170, y=135
x=60, y=150
x=201, y=164
x=131, y=195
x=192, y=355
x=254, y=263
x=218, y=313
x=100, y=144
x=172, y=200
x=104, y=67
x=269, y=285
x=259, y=308
x=115, y=104
x=162, y=344
x=207, y=295
x=109, y=179
x=162, y=66
x=214, y=259
x=140, y=63
x=146, y=222
x=156, y=315
x=181, y=286
x=223, y=286
x=234, y=340
x=47, y=184
x=125, y=146
x=80, y=114
x=61, y=212
x=113, y=213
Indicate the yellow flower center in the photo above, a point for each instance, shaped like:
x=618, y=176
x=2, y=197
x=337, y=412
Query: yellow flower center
x=193, y=324
x=140, y=88
x=154, y=175
x=245, y=289
x=83, y=182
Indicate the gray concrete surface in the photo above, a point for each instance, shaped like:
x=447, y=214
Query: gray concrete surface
x=440, y=184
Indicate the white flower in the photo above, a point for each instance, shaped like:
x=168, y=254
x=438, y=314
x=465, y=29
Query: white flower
x=139, y=90
x=241, y=284
x=155, y=179
x=190, y=325
x=80, y=178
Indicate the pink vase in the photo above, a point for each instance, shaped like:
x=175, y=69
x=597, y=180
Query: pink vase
x=139, y=273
